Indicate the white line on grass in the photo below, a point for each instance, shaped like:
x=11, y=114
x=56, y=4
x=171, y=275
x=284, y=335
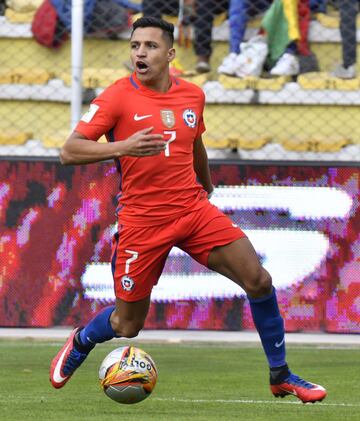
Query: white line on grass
x=28, y=399
x=250, y=401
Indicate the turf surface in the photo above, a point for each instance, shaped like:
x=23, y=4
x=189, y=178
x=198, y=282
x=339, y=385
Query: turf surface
x=196, y=382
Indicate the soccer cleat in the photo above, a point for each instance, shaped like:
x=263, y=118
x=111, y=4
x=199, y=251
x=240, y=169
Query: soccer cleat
x=66, y=362
x=307, y=392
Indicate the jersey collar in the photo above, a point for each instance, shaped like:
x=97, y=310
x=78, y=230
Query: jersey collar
x=137, y=85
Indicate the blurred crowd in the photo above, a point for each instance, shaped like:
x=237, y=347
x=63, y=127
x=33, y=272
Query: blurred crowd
x=279, y=46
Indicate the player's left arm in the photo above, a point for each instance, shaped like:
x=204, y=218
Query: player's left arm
x=201, y=165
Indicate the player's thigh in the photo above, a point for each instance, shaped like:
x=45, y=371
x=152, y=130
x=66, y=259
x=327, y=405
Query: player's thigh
x=237, y=261
x=209, y=228
x=138, y=258
x=219, y=244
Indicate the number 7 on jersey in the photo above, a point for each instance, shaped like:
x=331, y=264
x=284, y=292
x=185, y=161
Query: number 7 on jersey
x=172, y=134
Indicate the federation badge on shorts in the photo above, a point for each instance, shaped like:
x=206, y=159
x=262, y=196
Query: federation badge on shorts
x=189, y=117
x=168, y=118
x=127, y=283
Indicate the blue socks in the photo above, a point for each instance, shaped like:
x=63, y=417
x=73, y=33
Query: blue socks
x=270, y=326
x=266, y=316
x=98, y=330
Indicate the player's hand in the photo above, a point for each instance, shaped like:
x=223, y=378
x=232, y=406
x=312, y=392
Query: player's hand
x=143, y=143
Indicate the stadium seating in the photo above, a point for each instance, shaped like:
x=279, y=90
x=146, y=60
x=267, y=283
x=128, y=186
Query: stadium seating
x=24, y=76
x=252, y=82
x=14, y=137
x=322, y=80
x=238, y=142
x=97, y=78
x=56, y=139
x=314, y=113
x=319, y=144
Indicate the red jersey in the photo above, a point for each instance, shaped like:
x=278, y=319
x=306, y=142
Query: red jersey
x=161, y=187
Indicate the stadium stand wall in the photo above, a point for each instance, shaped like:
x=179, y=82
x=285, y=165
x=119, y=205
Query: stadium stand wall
x=312, y=117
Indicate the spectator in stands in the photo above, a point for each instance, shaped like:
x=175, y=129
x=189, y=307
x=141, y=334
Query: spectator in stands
x=248, y=58
x=183, y=10
x=318, y=6
x=205, y=11
x=240, y=12
x=2, y=7
x=348, y=14
x=106, y=18
x=203, y=14
x=307, y=59
x=157, y=8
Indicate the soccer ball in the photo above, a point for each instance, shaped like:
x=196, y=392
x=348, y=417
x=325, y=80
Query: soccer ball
x=128, y=375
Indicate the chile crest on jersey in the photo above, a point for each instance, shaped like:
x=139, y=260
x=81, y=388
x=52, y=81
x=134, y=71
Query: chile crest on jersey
x=189, y=117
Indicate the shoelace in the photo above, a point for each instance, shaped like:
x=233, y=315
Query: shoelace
x=298, y=381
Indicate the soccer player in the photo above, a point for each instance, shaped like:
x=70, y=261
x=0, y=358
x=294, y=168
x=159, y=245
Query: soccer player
x=153, y=123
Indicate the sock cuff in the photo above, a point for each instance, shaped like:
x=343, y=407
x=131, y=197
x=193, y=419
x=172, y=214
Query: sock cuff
x=99, y=329
x=264, y=298
x=84, y=349
x=279, y=374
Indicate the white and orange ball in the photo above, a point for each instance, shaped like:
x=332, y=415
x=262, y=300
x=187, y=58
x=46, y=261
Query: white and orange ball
x=128, y=375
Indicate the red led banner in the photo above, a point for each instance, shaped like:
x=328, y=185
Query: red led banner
x=57, y=223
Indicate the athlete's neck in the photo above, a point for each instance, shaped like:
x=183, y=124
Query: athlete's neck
x=161, y=85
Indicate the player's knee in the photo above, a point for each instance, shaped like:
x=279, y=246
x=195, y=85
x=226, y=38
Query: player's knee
x=259, y=285
x=129, y=332
x=127, y=329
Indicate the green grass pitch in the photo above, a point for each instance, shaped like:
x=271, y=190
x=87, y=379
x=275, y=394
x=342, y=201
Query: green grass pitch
x=196, y=382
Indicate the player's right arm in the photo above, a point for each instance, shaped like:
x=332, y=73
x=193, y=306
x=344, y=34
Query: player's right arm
x=105, y=113
x=78, y=149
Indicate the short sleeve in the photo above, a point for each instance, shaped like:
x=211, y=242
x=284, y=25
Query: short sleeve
x=101, y=116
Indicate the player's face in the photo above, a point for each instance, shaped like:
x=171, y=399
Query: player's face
x=151, y=54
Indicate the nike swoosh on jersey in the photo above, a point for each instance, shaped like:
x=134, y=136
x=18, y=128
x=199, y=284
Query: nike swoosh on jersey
x=278, y=344
x=141, y=117
x=56, y=375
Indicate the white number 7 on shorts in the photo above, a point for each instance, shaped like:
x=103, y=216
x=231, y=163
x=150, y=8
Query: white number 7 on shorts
x=134, y=256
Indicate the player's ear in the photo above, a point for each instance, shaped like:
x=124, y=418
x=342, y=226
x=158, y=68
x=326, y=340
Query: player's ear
x=171, y=55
